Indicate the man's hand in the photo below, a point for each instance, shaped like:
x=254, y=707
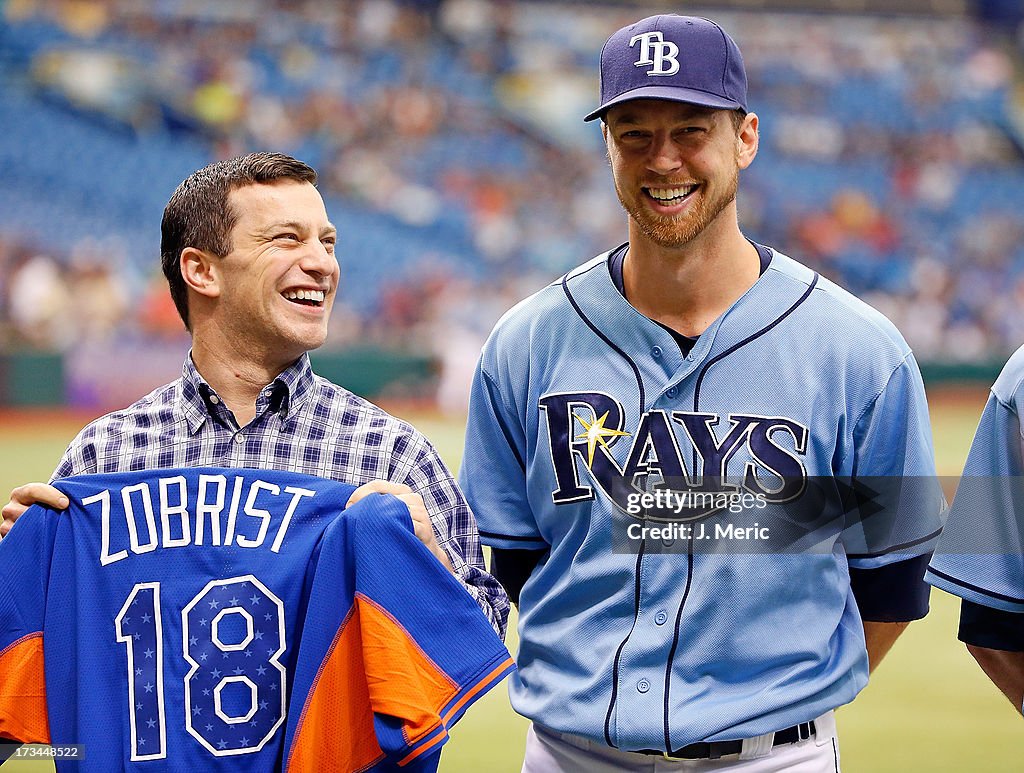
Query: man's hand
x=420, y=519
x=24, y=497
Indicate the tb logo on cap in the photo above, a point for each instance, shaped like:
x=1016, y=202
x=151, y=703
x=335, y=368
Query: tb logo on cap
x=656, y=51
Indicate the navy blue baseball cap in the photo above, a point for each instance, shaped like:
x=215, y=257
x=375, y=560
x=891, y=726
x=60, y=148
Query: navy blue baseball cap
x=678, y=58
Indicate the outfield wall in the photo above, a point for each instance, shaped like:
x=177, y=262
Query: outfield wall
x=94, y=379
x=103, y=379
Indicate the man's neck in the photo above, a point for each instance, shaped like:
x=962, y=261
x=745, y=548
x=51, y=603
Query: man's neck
x=237, y=380
x=688, y=288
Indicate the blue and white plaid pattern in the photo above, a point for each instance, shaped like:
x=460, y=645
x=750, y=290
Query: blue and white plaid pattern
x=303, y=423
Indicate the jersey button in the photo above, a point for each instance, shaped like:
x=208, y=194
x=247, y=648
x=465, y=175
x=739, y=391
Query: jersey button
x=643, y=686
x=661, y=618
x=656, y=352
x=239, y=438
x=671, y=393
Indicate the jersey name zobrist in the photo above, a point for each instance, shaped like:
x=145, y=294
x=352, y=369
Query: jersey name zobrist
x=245, y=509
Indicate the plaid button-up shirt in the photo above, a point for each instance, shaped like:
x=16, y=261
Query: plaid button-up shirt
x=303, y=423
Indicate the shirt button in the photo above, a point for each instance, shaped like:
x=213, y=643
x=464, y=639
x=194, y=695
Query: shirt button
x=691, y=356
x=239, y=438
x=671, y=393
x=661, y=618
x=656, y=352
x=214, y=399
x=643, y=686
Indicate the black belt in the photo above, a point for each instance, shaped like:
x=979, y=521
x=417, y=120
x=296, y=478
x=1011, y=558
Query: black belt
x=712, y=750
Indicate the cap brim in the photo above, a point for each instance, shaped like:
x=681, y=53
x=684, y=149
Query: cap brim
x=671, y=94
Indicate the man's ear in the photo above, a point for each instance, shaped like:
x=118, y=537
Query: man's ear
x=747, y=140
x=201, y=271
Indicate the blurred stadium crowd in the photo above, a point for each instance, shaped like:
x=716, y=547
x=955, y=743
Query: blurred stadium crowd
x=455, y=162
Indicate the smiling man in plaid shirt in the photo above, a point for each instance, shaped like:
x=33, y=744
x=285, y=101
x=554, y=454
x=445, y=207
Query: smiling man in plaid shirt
x=248, y=252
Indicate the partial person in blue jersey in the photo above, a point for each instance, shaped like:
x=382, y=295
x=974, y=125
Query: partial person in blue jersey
x=649, y=434
x=980, y=556
x=251, y=259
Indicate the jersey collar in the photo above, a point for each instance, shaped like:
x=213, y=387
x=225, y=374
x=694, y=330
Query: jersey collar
x=592, y=292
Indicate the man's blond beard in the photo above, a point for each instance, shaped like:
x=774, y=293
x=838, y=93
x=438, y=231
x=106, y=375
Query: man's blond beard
x=674, y=233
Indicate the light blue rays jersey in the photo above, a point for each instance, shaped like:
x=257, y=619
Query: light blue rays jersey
x=980, y=556
x=581, y=405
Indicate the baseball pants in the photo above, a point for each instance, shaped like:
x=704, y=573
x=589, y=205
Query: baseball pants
x=548, y=751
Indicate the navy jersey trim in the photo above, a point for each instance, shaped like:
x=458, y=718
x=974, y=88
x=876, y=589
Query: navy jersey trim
x=984, y=591
x=991, y=628
x=603, y=337
x=622, y=645
x=512, y=567
x=894, y=593
x=640, y=554
x=617, y=258
x=675, y=641
x=748, y=339
x=895, y=548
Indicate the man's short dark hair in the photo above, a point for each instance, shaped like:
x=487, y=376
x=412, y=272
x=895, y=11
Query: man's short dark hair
x=199, y=215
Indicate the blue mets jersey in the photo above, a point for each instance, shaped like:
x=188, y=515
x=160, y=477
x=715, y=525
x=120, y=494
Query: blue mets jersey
x=234, y=620
x=700, y=541
x=980, y=556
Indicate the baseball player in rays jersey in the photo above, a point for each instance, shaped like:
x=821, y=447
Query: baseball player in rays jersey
x=980, y=557
x=692, y=373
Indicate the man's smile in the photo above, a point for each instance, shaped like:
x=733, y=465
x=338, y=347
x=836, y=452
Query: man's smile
x=671, y=196
x=305, y=297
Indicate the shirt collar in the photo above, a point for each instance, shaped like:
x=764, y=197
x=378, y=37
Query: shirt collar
x=194, y=395
x=284, y=395
x=292, y=387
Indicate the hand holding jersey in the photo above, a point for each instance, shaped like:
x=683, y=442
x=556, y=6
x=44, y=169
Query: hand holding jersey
x=23, y=497
x=691, y=362
x=422, y=526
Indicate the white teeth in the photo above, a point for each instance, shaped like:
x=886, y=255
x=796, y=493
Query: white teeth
x=668, y=194
x=317, y=296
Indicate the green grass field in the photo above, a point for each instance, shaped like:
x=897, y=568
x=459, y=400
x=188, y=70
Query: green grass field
x=928, y=707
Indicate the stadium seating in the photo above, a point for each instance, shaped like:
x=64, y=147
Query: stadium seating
x=449, y=141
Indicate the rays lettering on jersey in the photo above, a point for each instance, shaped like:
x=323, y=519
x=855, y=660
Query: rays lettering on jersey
x=758, y=454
